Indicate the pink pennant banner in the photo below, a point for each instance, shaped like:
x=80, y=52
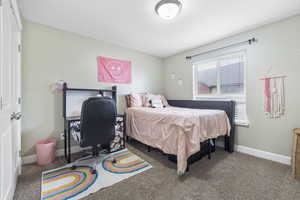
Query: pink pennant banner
x=113, y=71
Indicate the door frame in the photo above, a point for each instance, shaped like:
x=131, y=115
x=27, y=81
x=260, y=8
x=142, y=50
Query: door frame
x=17, y=124
x=14, y=131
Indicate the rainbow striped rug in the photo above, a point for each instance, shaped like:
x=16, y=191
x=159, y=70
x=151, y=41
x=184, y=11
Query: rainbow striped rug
x=64, y=183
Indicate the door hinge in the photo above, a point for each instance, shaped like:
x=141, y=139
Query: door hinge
x=19, y=46
x=19, y=100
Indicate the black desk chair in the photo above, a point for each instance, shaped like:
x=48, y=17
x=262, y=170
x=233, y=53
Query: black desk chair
x=97, y=126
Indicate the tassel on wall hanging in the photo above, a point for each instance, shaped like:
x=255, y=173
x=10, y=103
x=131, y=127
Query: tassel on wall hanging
x=274, y=95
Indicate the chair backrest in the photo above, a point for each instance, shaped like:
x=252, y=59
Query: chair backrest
x=98, y=120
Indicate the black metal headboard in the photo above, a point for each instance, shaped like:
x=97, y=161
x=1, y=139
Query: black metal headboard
x=227, y=106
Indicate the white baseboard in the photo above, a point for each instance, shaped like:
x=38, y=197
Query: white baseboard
x=264, y=154
x=60, y=152
x=239, y=148
x=260, y=154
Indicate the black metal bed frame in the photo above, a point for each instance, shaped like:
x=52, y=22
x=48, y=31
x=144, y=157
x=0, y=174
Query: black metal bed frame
x=227, y=106
x=206, y=147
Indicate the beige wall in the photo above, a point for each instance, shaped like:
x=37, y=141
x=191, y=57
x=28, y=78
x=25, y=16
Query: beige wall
x=50, y=55
x=278, y=47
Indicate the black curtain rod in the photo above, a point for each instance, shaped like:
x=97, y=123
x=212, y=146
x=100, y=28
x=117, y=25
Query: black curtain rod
x=250, y=41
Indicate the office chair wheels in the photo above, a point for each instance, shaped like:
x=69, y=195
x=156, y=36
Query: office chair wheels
x=73, y=167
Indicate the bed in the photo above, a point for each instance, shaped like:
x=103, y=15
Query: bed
x=180, y=128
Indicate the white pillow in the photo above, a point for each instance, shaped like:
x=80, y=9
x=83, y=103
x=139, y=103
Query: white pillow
x=148, y=98
x=156, y=102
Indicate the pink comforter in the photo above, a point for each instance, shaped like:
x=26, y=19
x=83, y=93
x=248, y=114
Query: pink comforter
x=175, y=130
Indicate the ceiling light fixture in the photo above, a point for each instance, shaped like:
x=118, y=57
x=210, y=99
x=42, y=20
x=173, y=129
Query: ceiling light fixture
x=168, y=9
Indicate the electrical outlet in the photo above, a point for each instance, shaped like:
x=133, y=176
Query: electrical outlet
x=62, y=136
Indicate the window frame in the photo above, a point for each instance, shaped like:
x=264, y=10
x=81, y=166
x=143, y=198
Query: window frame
x=238, y=98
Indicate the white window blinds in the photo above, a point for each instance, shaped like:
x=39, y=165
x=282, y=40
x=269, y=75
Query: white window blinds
x=223, y=78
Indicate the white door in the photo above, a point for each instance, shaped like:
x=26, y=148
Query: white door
x=9, y=99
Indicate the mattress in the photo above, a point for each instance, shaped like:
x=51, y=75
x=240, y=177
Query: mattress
x=175, y=130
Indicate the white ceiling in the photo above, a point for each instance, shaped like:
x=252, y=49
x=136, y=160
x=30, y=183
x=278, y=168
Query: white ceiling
x=134, y=23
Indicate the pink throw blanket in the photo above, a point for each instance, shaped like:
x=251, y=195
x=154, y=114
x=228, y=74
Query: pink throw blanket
x=174, y=130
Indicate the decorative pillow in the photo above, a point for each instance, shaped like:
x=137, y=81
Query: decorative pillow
x=164, y=101
x=127, y=99
x=156, y=102
x=144, y=98
x=158, y=98
x=135, y=100
x=148, y=97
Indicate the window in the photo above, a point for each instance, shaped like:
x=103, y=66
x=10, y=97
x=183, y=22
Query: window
x=223, y=78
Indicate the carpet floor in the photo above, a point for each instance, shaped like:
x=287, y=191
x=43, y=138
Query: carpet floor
x=226, y=176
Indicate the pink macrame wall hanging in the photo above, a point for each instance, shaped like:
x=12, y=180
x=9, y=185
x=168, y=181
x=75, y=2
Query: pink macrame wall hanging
x=274, y=96
x=113, y=70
